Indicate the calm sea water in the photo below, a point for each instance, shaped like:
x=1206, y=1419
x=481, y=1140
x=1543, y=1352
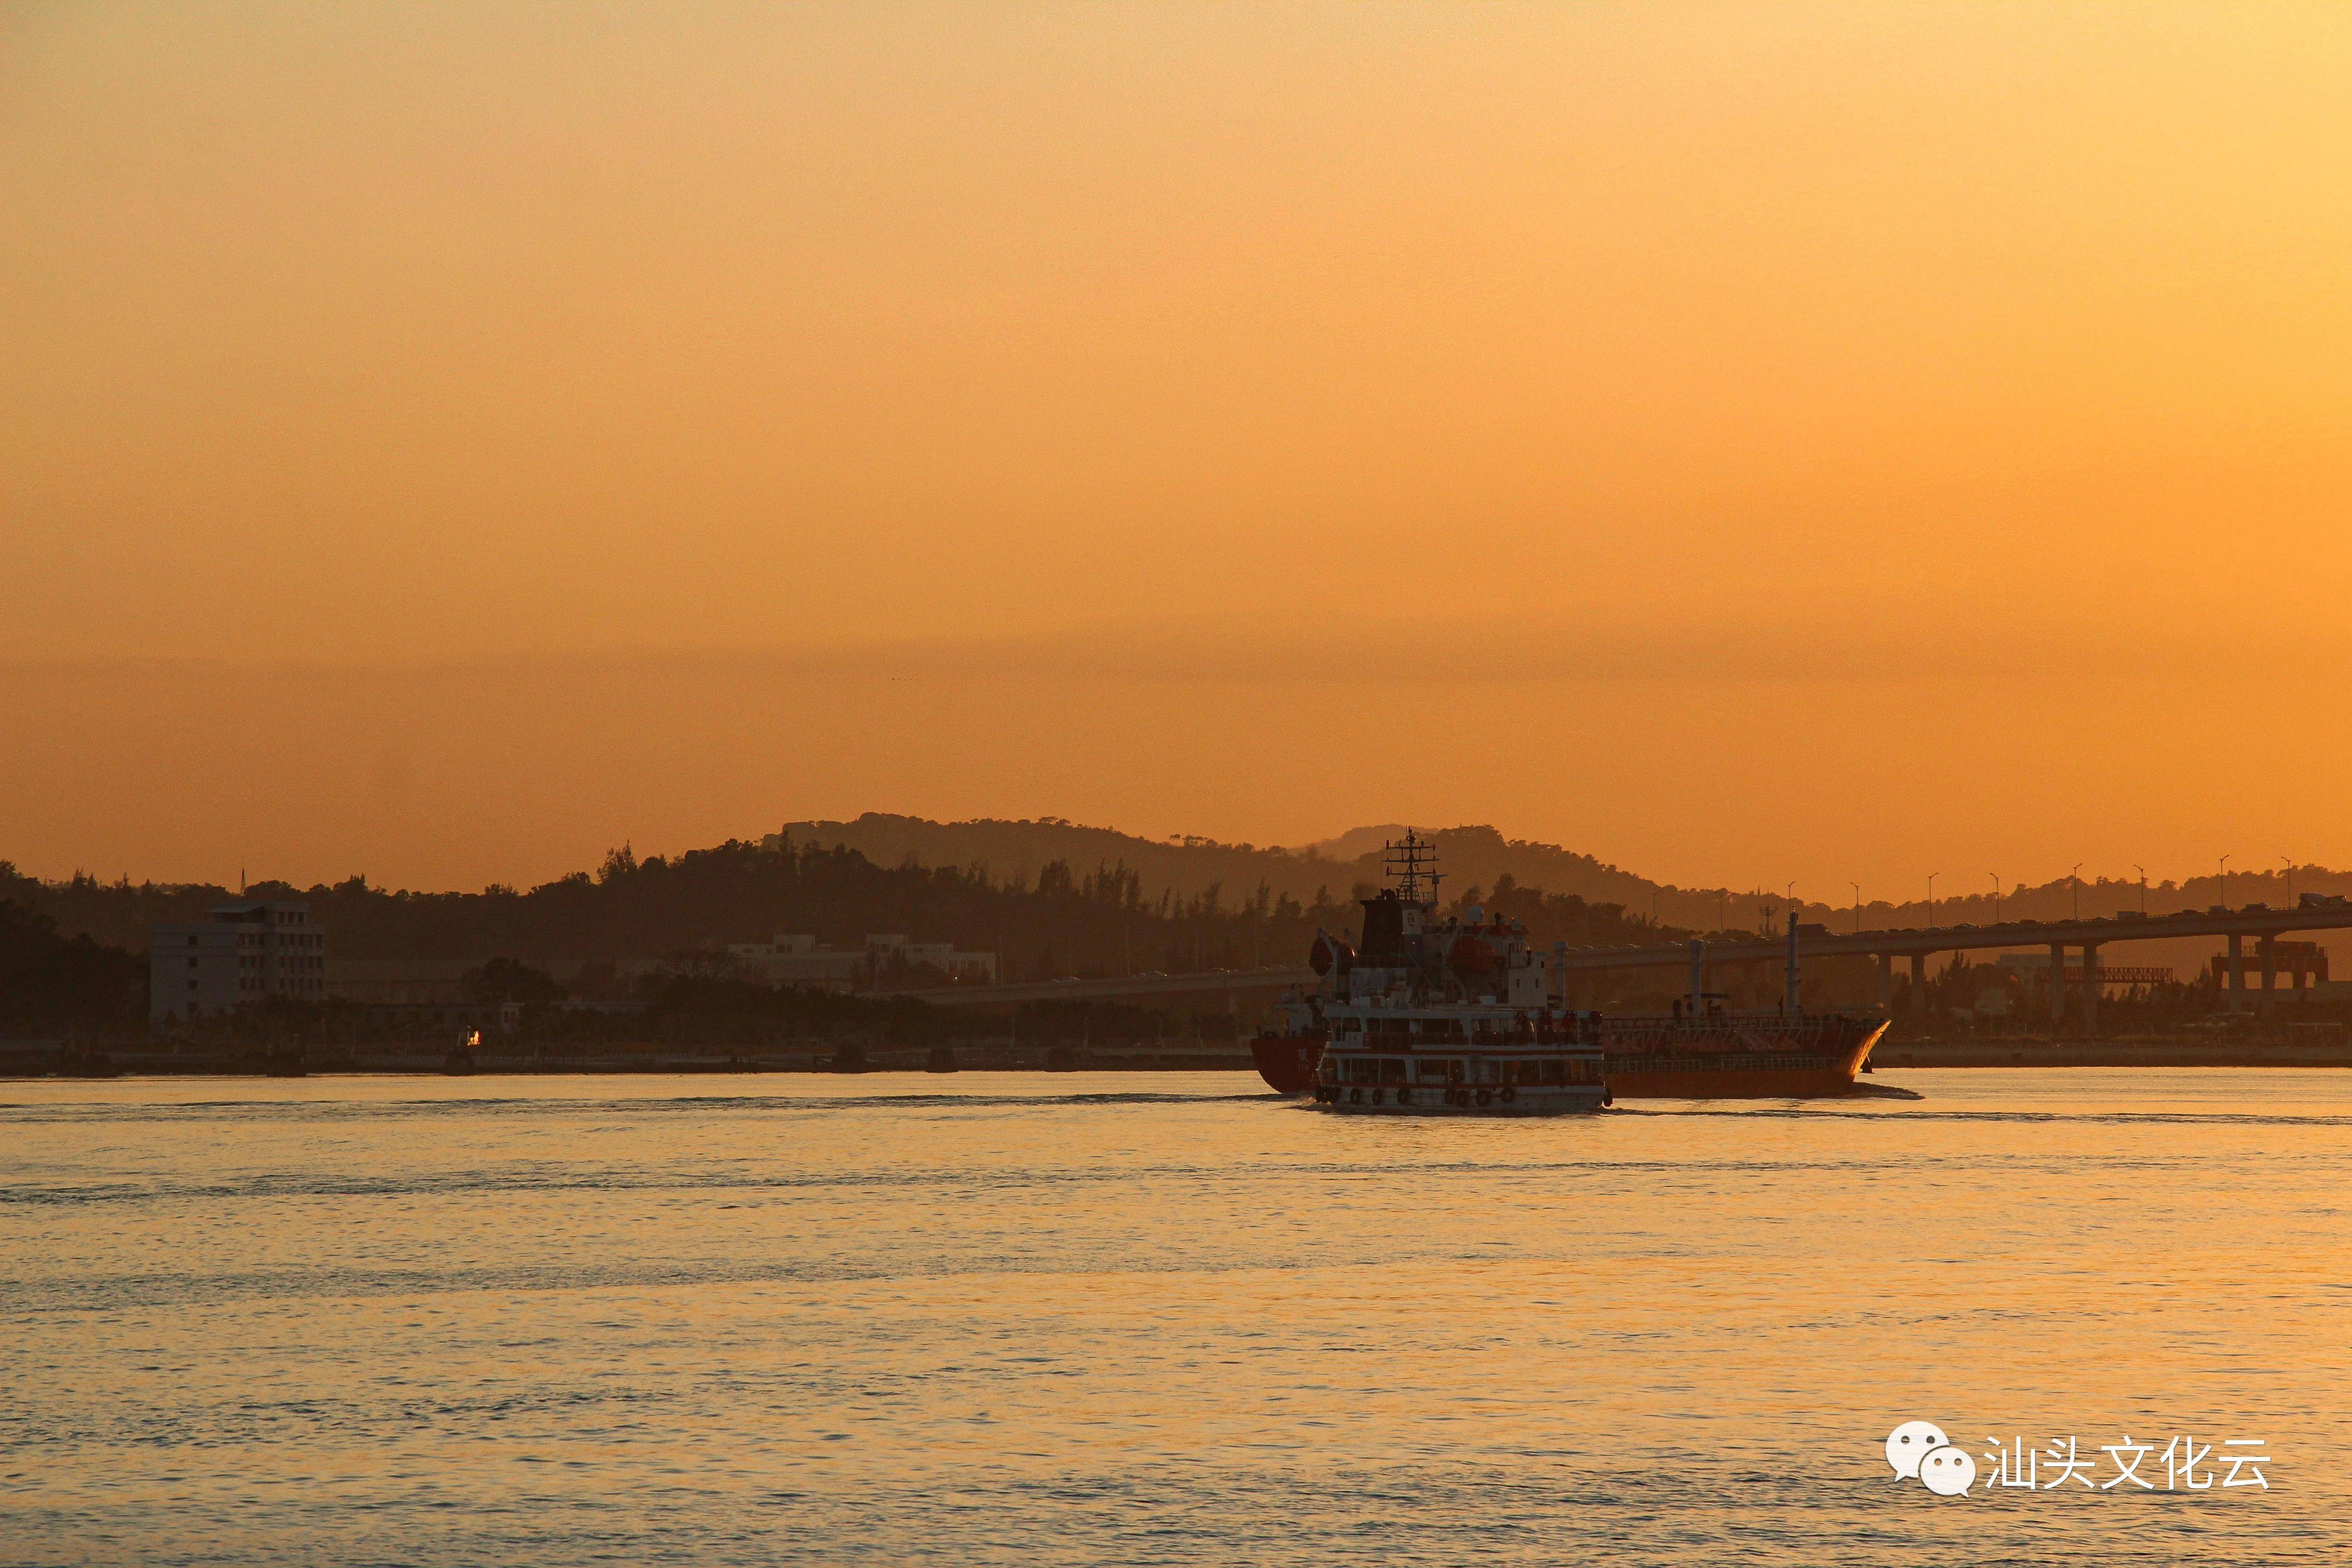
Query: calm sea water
x=1155, y=1319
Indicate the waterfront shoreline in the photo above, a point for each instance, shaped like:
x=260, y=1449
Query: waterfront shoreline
x=1916, y=1055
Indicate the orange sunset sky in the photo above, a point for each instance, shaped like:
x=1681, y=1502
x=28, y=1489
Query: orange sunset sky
x=1743, y=442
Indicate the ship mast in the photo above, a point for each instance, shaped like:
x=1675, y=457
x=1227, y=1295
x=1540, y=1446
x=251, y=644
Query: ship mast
x=1411, y=862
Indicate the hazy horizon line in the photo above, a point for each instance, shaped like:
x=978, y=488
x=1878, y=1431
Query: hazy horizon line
x=1225, y=648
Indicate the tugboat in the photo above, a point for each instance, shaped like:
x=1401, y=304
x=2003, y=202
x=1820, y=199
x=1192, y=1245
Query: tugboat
x=1445, y=1018
x=1411, y=961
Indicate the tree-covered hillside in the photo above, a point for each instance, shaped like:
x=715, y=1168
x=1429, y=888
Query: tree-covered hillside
x=1189, y=865
x=1101, y=920
x=51, y=985
x=1481, y=854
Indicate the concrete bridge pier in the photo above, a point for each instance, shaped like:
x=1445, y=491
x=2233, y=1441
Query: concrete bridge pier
x=2237, y=971
x=2267, y=951
x=2091, y=988
x=2057, y=986
x=1885, y=982
x=1919, y=984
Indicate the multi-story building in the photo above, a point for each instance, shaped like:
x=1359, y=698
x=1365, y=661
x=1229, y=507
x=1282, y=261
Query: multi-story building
x=244, y=953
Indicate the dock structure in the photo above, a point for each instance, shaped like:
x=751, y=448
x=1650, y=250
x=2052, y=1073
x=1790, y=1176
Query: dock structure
x=2259, y=923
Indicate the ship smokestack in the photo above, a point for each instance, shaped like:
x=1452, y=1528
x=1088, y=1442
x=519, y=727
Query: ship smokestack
x=1791, y=1006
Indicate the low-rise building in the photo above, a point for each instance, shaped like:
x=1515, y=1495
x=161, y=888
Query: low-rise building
x=2033, y=970
x=800, y=960
x=961, y=968
x=245, y=952
x=791, y=960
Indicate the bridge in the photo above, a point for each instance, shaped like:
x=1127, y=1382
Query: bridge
x=2258, y=921
x=2262, y=925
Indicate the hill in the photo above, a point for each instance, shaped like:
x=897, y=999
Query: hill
x=1186, y=865
x=1062, y=919
x=1189, y=866
x=1477, y=858
x=1052, y=898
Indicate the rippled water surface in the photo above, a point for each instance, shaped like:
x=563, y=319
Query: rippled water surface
x=1148, y=1319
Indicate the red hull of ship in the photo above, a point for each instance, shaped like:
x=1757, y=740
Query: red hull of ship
x=1669, y=1062
x=1735, y=1058
x=1731, y=1083
x=1287, y=1062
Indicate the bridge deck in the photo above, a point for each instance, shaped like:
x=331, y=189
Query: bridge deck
x=2010, y=933
x=2250, y=923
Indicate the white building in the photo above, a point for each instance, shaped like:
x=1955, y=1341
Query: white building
x=245, y=952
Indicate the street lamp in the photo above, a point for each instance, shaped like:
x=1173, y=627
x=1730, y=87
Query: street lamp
x=2075, y=877
x=2225, y=882
x=1996, y=896
x=1931, y=899
x=2290, y=884
x=2142, y=885
x=1857, y=907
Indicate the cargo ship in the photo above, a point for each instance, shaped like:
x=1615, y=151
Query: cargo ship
x=1412, y=963
x=1444, y=1019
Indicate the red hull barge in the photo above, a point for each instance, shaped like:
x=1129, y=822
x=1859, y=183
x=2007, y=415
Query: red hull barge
x=1287, y=1062
x=1734, y=1056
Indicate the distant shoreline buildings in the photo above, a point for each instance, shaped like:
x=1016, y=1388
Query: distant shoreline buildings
x=249, y=950
x=245, y=952
x=799, y=960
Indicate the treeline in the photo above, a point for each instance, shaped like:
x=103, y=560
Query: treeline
x=1562, y=917
x=1192, y=864
x=52, y=984
x=1061, y=922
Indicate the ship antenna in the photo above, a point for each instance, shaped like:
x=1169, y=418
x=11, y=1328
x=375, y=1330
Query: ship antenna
x=1412, y=862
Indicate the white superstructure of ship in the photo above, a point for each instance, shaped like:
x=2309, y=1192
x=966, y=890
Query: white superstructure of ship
x=1434, y=1017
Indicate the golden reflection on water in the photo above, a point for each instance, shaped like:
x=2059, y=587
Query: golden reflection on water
x=1164, y=1317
